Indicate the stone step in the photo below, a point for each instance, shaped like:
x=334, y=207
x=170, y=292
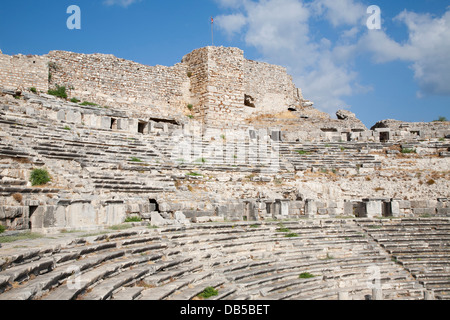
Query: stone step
x=22, y=273
x=193, y=291
x=162, y=292
x=128, y=293
x=105, y=289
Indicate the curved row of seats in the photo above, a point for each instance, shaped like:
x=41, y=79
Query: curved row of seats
x=322, y=259
x=421, y=246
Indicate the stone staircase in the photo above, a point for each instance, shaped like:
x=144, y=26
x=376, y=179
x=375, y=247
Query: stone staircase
x=421, y=246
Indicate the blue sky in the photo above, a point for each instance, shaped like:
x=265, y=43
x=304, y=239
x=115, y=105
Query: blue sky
x=399, y=72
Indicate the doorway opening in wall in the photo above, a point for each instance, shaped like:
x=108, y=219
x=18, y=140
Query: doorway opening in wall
x=268, y=208
x=346, y=136
x=154, y=206
x=387, y=209
x=384, y=136
x=113, y=124
x=32, y=210
x=142, y=126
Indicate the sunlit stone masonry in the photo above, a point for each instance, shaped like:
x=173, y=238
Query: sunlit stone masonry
x=227, y=176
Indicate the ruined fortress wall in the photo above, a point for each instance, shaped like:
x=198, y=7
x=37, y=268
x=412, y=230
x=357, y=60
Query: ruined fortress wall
x=23, y=72
x=270, y=86
x=215, y=80
x=197, y=68
x=111, y=81
x=217, y=84
x=221, y=78
x=225, y=86
x=400, y=130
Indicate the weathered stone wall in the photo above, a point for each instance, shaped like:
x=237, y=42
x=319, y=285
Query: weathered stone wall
x=222, y=79
x=270, y=87
x=215, y=80
x=395, y=130
x=111, y=81
x=217, y=84
x=23, y=72
x=197, y=70
x=224, y=88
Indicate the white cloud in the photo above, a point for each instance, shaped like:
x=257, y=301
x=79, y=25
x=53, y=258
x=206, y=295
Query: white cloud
x=284, y=32
x=123, y=3
x=231, y=24
x=281, y=31
x=427, y=49
x=342, y=12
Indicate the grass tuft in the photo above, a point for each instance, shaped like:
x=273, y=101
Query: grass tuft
x=22, y=236
x=208, y=293
x=133, y=219
x=59, y=92
x=306, y=275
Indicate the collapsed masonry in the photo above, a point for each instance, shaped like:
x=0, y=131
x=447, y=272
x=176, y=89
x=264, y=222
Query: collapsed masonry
x=214, y=137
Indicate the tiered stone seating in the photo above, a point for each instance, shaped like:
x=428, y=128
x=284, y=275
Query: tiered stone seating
x=118, y=182
x=421, y=246
x=91, y=148
x=234, y=156
x=241, y=260
x=329, y=156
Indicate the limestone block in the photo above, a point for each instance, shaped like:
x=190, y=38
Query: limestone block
x=348, y=208
x=157, y=220
x=60, y=217
x=164, y=207
x=178, y=215
x=44, y=217
x=373, y=209
x=345, y=115
x=426, y=211
x=310, y=207
x=404, y=204
x=432, y=203
x=284, y=208
x=181, y=218
x=275, y=135
x=122, y=124
x=81, y=214
x=134, y=208
x=395, y=208
x=61, y=115
x=13, y=212
x=105, y=122
x=418, y=204
x=201, y=219
x=132, y=125
x=114, y=214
